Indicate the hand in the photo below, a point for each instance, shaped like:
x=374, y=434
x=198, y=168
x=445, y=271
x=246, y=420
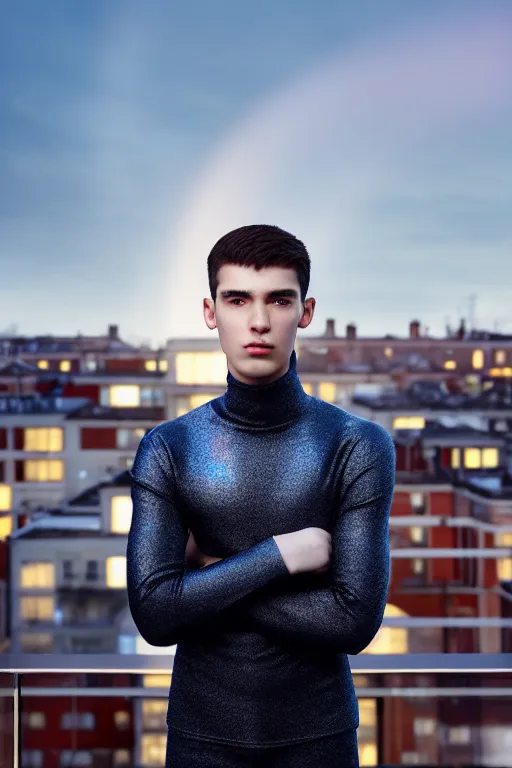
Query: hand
x=309, y=549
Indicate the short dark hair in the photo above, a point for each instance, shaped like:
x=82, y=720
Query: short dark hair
x=260, y=245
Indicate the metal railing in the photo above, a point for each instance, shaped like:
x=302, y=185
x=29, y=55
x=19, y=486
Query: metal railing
x=375, y=668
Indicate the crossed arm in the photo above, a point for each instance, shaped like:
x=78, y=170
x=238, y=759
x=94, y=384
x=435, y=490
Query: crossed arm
x=345, y=616
x=169, y=601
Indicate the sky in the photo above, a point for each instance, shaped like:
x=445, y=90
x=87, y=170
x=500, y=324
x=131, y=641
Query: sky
x=134, y=135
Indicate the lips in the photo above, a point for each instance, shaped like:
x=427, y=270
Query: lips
x=258, y=346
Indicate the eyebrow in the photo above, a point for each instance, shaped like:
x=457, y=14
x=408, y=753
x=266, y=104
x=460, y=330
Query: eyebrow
x=291, y=292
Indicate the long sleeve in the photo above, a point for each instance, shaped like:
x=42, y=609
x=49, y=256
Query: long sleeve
x=169, y=602
x=345, y=616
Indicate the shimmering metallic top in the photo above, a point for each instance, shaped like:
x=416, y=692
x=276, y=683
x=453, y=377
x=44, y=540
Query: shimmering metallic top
x=261, y=653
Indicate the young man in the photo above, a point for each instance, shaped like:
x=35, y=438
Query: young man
x=270, y=482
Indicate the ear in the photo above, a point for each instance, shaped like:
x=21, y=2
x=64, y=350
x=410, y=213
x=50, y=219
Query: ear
x=209, y=313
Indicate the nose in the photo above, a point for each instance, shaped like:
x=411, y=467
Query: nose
x=260, y=322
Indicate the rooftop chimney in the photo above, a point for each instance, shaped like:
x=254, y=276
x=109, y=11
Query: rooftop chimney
x=329, y=328
x=113, y=331
x=414, y=329
x=461, y=331
x=351, y=331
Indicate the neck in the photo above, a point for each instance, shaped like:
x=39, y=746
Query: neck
x=260, y=406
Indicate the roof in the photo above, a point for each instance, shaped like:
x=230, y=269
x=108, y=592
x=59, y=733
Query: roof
x=19, y=368
x=91, y=496
x=428, y=397
x=96, y=412
x=491, y=485
x=412, y=478
x=39, y=404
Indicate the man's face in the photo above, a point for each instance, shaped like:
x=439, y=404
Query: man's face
x=270, y=313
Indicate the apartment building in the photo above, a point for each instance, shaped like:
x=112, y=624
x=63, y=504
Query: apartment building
x=63, y=526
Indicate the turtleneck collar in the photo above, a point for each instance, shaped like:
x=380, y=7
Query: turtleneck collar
x=263, y=405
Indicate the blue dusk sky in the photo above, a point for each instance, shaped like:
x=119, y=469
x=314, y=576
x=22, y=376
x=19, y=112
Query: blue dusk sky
x=134, y=134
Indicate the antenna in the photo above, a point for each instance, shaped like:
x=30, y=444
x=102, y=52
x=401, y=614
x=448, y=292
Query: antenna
x=471, y=311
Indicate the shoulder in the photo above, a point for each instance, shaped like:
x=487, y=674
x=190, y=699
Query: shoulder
x=356, y=434
x=171, y=432
x=349, y=424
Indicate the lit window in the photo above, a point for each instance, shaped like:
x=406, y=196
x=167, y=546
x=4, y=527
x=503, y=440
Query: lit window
x=116, y=571
x=163, y=365
x=450, y=365
x=460, y=734
x=43, y=364
x=5, y=498
x=417, y=502
x=65, y=366
x=150, y=365
x=122, y=757
x=153, y=714
x=122, y=719
x=424, y=726
x=5, y=526
x=187, y=404
x=37, y=575
x=367, y=711
x=504, y=568
x=47, y=439
x=156, y=681
x=500, y=357
x=472, y=458
x=44, y=471
x=37, y=608
x=417, y=534
x=201, y=368
x=455, y=458
x=418, y=565
x=490, y=457
x=36, y=642
x=307, y=387
x=200, y=399
x=408, y=422
x=504, y=564
x=129, y=438
x=390, y=640
x=124, y=395
x=327, y=391
x=153, y=747
x=388, y=352
x=121, y=514
x=36, y=720
x=478, y=358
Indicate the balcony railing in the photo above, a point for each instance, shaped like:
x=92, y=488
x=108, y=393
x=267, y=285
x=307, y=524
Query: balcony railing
x=442, y=691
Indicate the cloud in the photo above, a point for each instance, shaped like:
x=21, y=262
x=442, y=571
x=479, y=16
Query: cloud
x=319, y=156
